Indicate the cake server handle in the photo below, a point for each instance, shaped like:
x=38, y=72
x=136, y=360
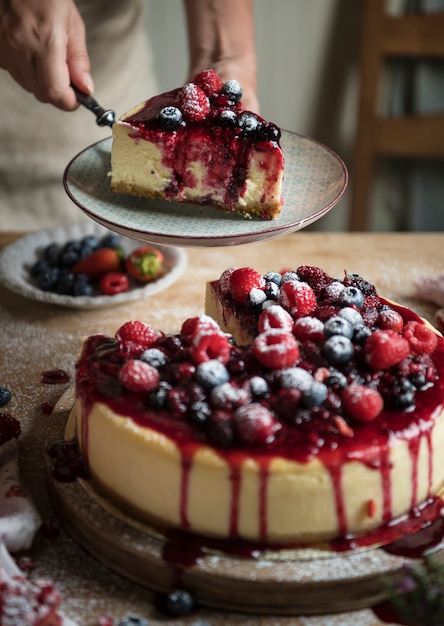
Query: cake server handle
x=104, y=117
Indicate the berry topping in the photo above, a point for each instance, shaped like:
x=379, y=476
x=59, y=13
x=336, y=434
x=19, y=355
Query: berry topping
x=132, y=620
x=254, y=423
x=137, y=375
x=114, y=283
x=385, y=348
x=308, y=328
x=248, y=123
x=276, y=348
x=362, y=403
x=338, y=349
x=338, y=326
x=193, y=102
x=298, y=298
x=390, y=319
x=209, y=81
x=225, y=281
x=211, y=373
x=242, y=281
x=420, y=337
x=196, y=324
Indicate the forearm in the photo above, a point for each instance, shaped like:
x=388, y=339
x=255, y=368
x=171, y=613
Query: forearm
x=221, y=36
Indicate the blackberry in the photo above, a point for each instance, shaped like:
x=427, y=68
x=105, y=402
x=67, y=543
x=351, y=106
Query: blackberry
x=269, y=132
x=179, y=602
x=233, y=90
x=170, y=118
x=356, y=280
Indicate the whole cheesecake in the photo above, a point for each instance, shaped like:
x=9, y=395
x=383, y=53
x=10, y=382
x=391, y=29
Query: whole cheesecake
x=329, y=423
x=197, y=144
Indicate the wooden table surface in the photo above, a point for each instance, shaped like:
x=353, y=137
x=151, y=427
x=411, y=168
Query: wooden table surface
x=36, y=337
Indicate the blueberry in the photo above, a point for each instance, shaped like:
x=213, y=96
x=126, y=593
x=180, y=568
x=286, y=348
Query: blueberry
x=73, y=245
x=228, y=117
x=360, y=334
x=47, y=280
x=82, y=288
x=40, y=266
x=169, y=118
x=273, y=277
x=336, y=381
x=233, y=90
x=68, y=258
x=338, y=326
x=154, y=357
x=5, y=396
x=288, y=276
x=111, y=240
x=88, y=245
x=211, y=373
x=295, y=377
x=157, y=398
x=132, y=620
x=199, y=411
x=315, y=395
x=338, y=349
x=351, y=296
x=65, y=283
x=248, y=122
x=51, y=253
x=179, y=602
x=351, y=315
x=258, y=387
x=255, y=299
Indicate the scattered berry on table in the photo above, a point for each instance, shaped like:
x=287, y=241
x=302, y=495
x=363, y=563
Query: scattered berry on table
x=5, y=396
x=132, y=620
x=179, y=602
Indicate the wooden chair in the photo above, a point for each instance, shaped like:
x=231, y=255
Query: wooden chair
x=384, y=37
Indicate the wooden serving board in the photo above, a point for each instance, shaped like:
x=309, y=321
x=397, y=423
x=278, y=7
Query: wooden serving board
x=286, y=582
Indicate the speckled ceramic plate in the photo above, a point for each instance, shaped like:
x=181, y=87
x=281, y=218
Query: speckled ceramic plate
x=315, y=180
x=17, y=259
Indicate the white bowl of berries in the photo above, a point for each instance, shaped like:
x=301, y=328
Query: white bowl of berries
x=87, y=266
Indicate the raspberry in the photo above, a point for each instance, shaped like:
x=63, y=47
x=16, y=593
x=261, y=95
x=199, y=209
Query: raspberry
x=225, y=280
x=136, y=375
x=135, y=337
x=390, y=319
x=193, y=103
x=208, y=345
x=298, y=298
x=275, y=317
x=385, y=348
x=113, y=283
x=420, y=337
x=254, y=423
x=276, y=349
x=308, y=328
x=242, y=281
x=361, y=402
x=193, y=325
x=209, y=81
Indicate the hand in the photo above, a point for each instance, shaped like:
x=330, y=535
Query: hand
x=43, y=47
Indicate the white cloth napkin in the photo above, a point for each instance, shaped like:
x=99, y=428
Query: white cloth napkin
x=19, y=519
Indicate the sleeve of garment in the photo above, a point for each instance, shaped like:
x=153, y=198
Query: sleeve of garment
x=221, y=36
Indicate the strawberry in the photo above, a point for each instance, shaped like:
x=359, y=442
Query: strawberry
x=193, y=102
x=98, y=263
x=420, y=337
x=136, y=375
x=276, y=349
x=298, y=298
x=275, y=317
x=385, y=348
x=145, y=264
x=242, y=281
x=135, y=337
x=361, y=402
x=113, y=283
x=209, y=81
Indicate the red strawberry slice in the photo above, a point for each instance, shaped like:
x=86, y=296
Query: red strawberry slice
x=99, y=263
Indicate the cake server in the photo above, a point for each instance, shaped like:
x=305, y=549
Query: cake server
x=104, y=117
